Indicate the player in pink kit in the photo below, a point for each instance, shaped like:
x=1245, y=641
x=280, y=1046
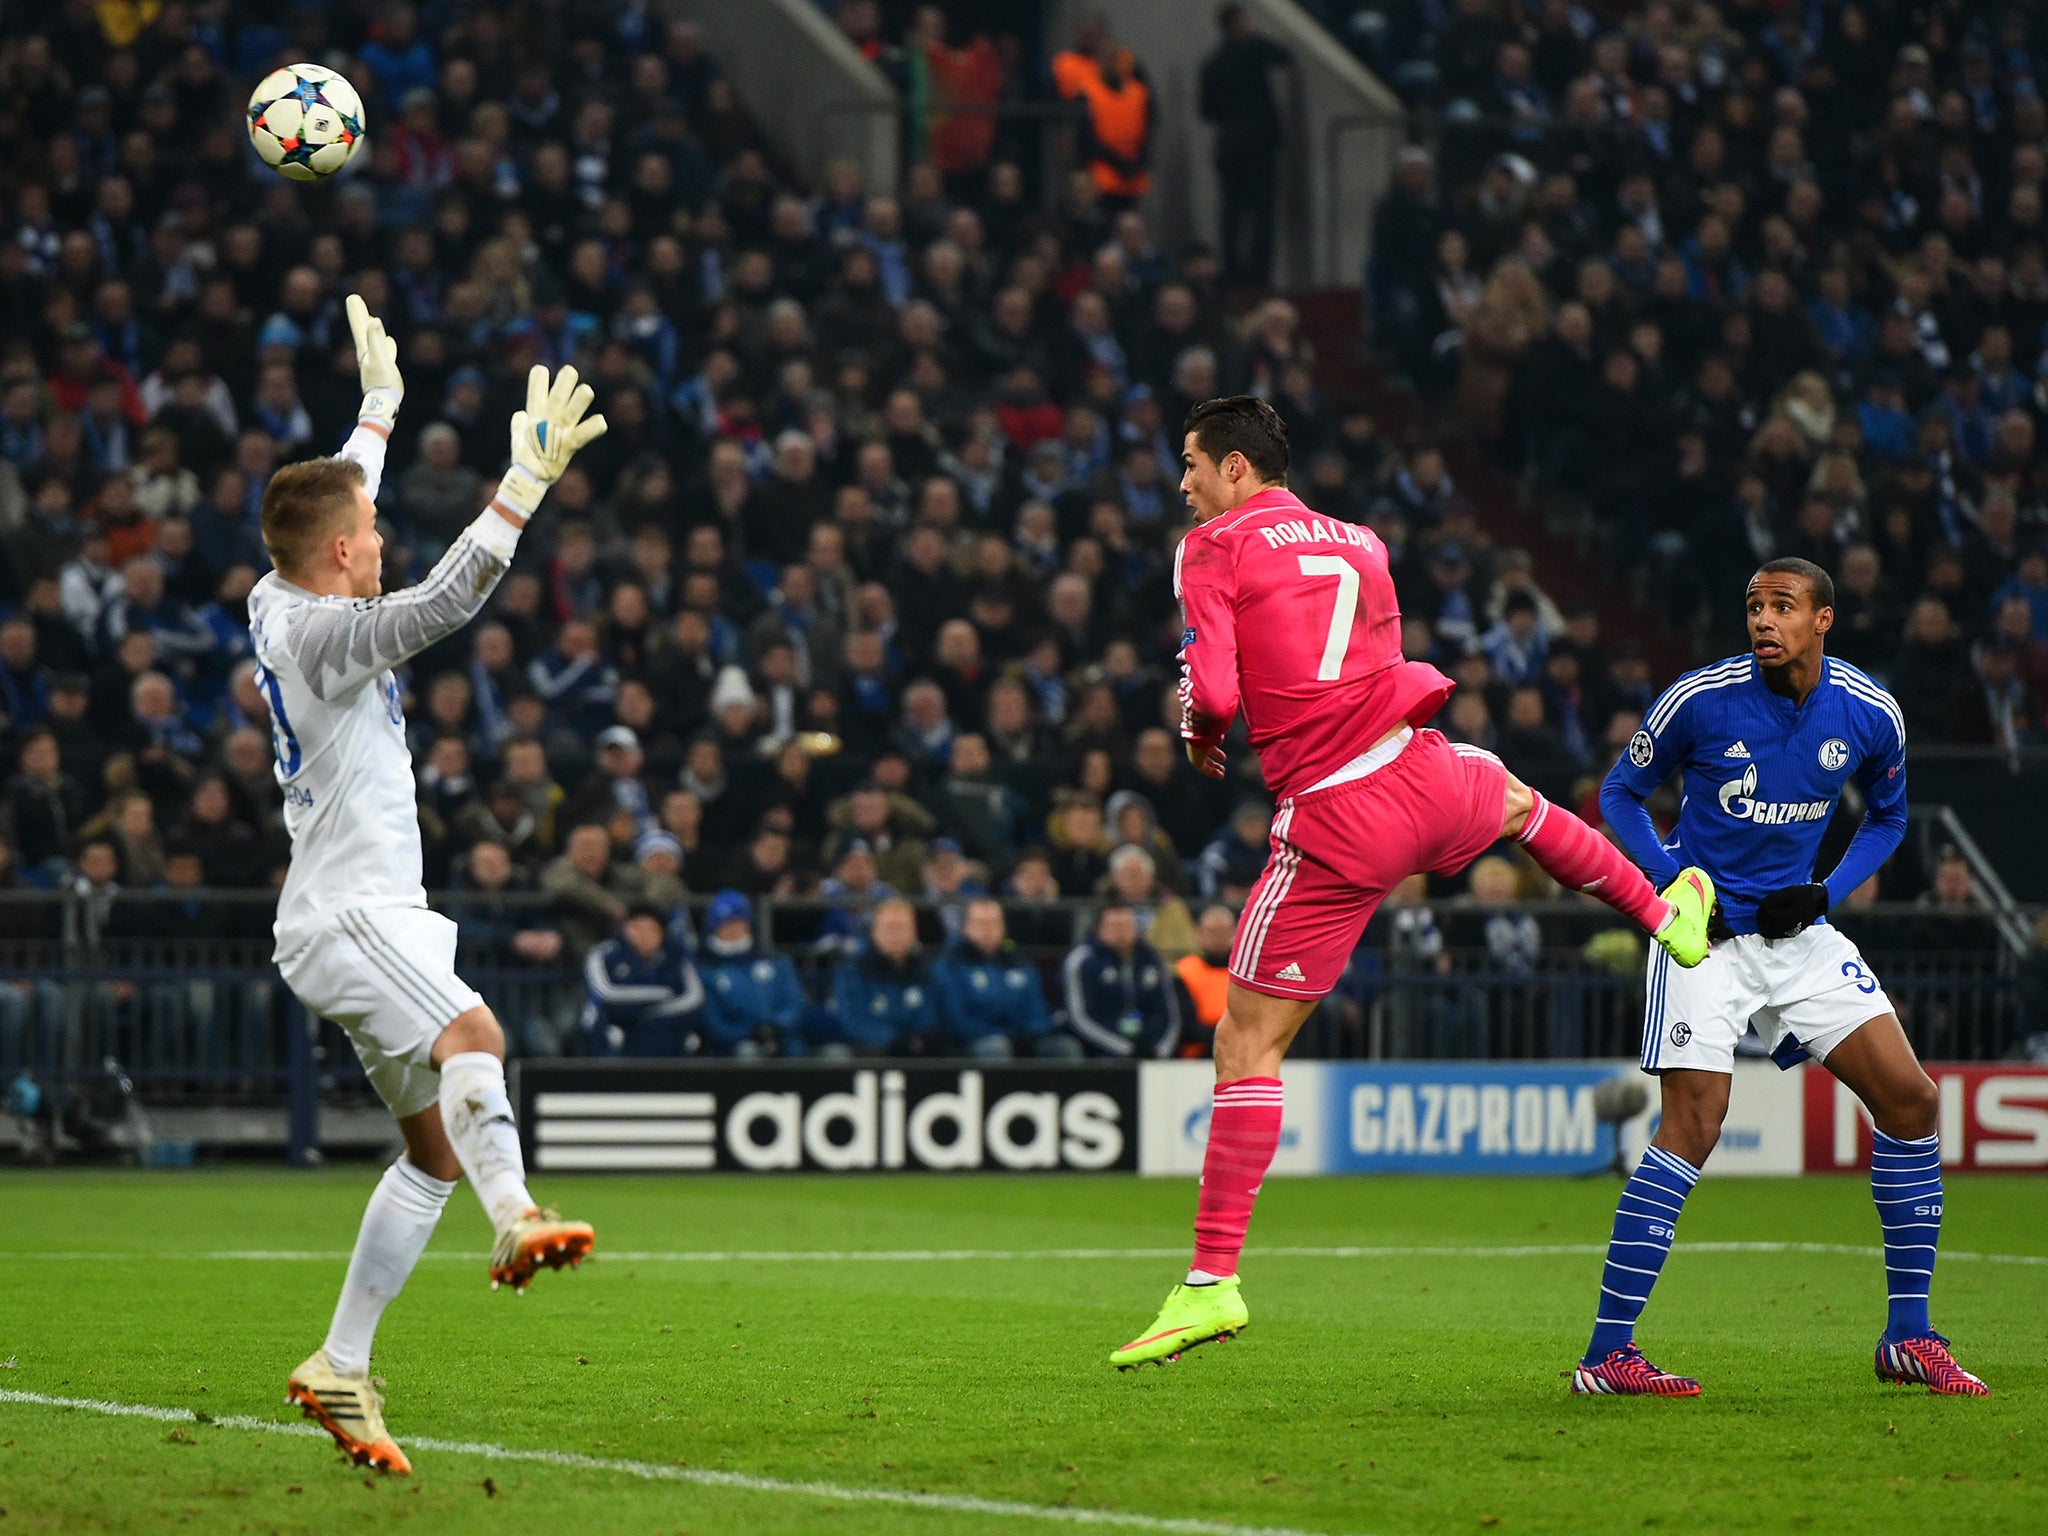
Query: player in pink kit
x=1291, y=616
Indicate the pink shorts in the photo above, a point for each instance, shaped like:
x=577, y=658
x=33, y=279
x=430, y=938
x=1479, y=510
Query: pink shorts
x=1337, y=853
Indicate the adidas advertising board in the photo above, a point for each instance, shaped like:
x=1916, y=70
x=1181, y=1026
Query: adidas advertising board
x=740, y=1117
x=1153, y=1117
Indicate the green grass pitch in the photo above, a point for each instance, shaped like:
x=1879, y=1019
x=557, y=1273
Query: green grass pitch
x=1379, y=1394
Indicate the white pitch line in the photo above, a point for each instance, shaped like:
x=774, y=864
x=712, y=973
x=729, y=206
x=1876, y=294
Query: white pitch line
x=1009, y=1255
x=703, y=1477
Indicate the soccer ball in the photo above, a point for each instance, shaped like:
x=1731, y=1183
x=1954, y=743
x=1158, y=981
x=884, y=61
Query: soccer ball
x=306, y=122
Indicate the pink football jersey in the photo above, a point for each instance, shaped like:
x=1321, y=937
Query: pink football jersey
x=1292, y=616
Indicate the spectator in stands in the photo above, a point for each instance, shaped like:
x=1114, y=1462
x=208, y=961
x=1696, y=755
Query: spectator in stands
x=1235, y=858
x=1109, y=84
x=641, y=990
x=659, y=858
x=1163, y=918
x=854, y=888
x=1993, y=705
x=1029, y=889
x=130, y=825
x=616, y=786
x=230, y=849
x=45, y=806
x=950, y=882
x=1205, y=973
x=991, y=999
x=1928, y=668
x=1079, y=852
x=1235, y=96
x=591, y=891
x=2033, y=990
x=883, y=1001
x=982, y=813
x=494, y=926
x=439, y=493
x=1119, y=997
x=753, y=1003
x=894, y=827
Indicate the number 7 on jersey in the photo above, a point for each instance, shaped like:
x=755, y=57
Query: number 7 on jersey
x=1341, y=615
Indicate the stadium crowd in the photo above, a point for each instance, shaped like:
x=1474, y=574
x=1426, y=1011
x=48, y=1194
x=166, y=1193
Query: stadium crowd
x=866, y=596
x=1751, y=280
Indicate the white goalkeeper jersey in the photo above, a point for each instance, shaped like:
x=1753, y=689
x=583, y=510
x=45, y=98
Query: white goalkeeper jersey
x=324, y=665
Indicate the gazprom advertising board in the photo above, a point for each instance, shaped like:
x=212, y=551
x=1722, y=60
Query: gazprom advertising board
x=1414, y=1117
x=1461, y=1117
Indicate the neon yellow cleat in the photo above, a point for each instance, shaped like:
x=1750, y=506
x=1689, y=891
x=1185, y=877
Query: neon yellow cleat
x=1193, y=1314
x=539, y=1239
x=1684, y=935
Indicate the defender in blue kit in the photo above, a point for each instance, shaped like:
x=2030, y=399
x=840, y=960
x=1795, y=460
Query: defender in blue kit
x=1765, y=745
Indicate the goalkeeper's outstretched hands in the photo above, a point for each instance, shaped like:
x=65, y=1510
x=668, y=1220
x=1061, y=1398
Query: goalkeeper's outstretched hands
x=377, y=361
x=545, y=437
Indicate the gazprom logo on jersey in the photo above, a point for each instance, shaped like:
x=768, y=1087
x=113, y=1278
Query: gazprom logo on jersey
x=1738, y=799
x=1430, y=1117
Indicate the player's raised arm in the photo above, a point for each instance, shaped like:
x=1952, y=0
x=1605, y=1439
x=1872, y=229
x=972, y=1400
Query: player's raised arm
x=326, y=541
x=383, y=389
x=1206, y=581
x=545, y=437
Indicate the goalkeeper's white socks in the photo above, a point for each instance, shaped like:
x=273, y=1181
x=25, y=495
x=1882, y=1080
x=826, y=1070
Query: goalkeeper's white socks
x=396, y=1225
x=477, y=1114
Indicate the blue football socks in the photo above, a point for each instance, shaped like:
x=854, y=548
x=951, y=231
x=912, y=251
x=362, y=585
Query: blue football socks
x=1645, y=1224
x=1905, y=1181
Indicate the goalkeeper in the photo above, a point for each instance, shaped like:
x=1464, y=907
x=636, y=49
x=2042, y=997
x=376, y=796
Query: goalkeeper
x=355, y=940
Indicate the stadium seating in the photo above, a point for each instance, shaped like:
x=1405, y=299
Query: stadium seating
x=878, y=548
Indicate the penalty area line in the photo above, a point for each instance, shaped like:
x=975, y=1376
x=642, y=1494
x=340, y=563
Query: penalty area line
x=702, y=1477
x=1013, y=1255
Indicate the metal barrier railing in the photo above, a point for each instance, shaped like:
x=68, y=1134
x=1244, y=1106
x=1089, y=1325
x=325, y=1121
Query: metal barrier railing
x=207, y=1019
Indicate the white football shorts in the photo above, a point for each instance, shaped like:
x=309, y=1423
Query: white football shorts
x=386, y=975
x=1813, y=989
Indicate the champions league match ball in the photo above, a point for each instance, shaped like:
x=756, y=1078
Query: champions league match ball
x=306, y=122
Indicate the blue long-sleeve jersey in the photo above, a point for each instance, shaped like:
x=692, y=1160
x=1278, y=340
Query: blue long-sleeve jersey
x=1761, y=776
x=877, y=1003
x=983, y=994
x=1121, y=1005
x=639, y=1006
x=749, y=992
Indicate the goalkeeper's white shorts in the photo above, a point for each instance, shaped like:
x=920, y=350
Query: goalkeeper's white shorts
x=1806, y=994
x=386, y=975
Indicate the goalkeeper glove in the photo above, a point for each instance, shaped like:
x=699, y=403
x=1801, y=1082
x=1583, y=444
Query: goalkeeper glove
x=377, y=361
x=545, y=436
x=1784, y=913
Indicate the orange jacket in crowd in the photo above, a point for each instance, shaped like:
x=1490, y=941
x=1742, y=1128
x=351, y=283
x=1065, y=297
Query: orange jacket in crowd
x=972, y=77
x=1206, y=985
x=1119, y=105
